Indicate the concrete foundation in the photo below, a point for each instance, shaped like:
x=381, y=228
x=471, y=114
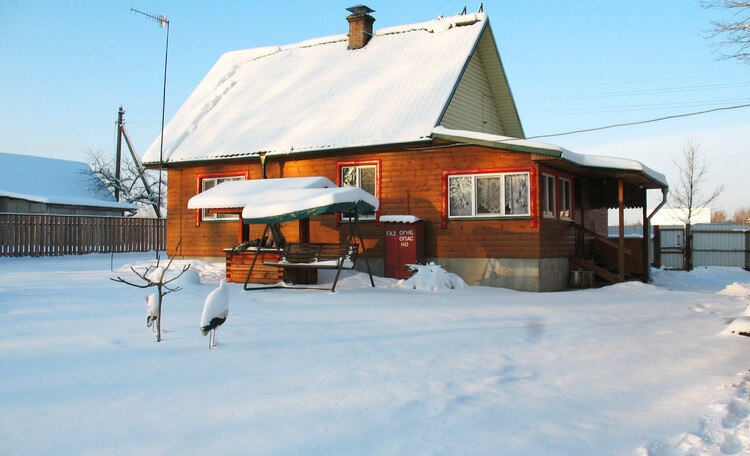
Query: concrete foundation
x=546, y=274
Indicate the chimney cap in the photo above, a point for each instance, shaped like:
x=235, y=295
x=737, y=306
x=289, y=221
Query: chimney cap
x=360, y=9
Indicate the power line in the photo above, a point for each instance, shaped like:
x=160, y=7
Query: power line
x=622, y=93
x=676, y=116
x=633, y=107
x=592, y=84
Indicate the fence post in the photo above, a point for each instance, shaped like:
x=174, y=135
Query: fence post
x=688, y=247
x=657, y=246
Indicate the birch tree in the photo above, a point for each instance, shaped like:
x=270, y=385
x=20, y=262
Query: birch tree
x=733, y=33
x=132, y=187
x=690, y=195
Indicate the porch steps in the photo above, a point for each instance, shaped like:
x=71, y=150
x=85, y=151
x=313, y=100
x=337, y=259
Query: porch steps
x=598, y=270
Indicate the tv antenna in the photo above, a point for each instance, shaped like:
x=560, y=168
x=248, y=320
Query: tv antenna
x=163, y=22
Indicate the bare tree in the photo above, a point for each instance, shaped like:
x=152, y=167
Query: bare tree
x=156, y=276
x=132, y=187
x=688, y=195
x=733, y=33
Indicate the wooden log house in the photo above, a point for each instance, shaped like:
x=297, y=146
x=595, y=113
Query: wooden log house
x=422, y=117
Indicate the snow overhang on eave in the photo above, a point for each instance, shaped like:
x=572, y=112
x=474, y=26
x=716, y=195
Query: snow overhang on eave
x=292, y=152
x=620, y=166
x=496, y=141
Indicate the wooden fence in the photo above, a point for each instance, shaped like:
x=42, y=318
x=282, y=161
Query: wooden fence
x=47, y=235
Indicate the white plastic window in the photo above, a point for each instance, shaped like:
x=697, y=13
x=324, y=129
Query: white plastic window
x=211, y=182
x=488, y=195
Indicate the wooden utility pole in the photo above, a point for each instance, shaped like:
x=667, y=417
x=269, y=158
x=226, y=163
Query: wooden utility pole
x=121, y=132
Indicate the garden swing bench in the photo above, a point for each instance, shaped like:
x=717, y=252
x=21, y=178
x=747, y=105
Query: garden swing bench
x=296, y=256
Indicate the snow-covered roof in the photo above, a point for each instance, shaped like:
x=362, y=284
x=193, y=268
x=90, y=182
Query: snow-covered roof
x=525, y=145
x=319, y=95
x=53, y=181
x=236, y=194
x=623, y=164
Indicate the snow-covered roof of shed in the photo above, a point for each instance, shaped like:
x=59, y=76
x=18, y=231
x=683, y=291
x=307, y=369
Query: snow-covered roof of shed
x=237, y=194
x=318, y=95
x=53, y=181
x=525, y=145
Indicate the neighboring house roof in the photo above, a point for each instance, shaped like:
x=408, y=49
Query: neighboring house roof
x=52, y=181
x=678, y=216
x=318, y=95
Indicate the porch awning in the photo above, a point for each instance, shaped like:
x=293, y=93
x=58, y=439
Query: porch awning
x=265, y=201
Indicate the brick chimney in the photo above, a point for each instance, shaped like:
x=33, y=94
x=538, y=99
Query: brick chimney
x=360, y=26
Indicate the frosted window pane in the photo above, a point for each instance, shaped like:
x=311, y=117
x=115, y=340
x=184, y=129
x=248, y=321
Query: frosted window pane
x=349, y=177
x=459, y=195
x=488, y=195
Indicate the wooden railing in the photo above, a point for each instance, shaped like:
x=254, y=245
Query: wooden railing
x=49, y=235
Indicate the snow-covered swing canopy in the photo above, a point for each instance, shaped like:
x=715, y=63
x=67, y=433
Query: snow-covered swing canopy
x=288, y=205
x=273, y=201
x=266, y=201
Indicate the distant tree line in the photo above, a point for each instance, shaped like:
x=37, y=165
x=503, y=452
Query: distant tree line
x=741, y=216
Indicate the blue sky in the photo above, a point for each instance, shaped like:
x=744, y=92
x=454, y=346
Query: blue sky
x=572, y=65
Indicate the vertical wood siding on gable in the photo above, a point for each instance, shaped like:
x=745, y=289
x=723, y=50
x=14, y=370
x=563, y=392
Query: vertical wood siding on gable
x=473, y=106
x=411, y=185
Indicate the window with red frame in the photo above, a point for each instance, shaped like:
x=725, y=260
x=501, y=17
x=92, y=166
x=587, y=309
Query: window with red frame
x=363, y=174
x=210, y=182
x=488, y=195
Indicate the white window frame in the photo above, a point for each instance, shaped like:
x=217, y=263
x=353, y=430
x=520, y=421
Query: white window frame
x=502, y=177
x=359, y=168
x=547, y=196
x=207, y=216
x=566, y=198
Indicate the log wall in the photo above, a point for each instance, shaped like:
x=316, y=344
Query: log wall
x=412, y=183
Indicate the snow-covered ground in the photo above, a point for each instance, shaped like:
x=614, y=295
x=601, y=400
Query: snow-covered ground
x=630, y=369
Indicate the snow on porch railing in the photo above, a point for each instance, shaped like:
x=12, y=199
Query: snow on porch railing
x=49, y=235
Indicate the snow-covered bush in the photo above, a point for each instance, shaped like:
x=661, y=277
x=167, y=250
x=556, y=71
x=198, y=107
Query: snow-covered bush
x=432, y=277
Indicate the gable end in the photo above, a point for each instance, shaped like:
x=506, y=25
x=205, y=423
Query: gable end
x=482, y=100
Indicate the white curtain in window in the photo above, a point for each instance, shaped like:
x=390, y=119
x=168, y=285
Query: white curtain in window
x=516, y=194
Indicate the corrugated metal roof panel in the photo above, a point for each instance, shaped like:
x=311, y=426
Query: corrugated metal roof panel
x=320, y=95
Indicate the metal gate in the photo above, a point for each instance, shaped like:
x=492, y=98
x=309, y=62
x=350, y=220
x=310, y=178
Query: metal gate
x=671, y=248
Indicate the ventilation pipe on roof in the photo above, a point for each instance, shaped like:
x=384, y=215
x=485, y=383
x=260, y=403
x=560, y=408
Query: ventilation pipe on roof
x=360, y=26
